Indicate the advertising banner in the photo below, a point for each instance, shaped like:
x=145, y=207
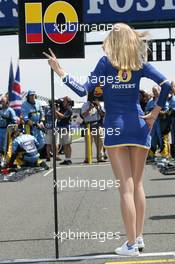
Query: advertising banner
x=129, y=11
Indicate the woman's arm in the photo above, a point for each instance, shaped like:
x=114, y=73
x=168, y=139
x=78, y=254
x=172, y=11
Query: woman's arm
x=79, y=89
x=152, y=73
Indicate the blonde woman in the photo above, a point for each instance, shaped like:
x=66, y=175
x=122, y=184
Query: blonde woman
x=123, y=67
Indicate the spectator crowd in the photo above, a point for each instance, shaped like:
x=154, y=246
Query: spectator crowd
x=26, y=139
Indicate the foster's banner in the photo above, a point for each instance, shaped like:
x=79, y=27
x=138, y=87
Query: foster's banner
x=129, y=11
x=8, y=14
x=150, y=12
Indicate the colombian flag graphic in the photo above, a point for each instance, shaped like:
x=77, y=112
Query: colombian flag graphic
x=124, y=75
x=60, y=33
x=33, y=20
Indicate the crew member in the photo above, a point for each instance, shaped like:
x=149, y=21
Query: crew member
x=7, y=117
x=33, y=116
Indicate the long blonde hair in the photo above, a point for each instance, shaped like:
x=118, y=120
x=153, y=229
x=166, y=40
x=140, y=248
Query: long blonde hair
x=125, y=48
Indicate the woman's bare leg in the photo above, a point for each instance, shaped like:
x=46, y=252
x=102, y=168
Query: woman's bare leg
x=138, y=158
x=121, y=165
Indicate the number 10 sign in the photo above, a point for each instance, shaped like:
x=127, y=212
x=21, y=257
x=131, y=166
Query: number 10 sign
x=53, y=24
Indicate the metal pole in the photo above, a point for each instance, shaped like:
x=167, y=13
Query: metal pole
x=98, y=147
x=54, y=166
x=89, y=143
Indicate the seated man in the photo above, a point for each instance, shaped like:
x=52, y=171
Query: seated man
x=25, y=149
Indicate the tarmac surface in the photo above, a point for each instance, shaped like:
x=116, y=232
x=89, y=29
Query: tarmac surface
x=88, y=212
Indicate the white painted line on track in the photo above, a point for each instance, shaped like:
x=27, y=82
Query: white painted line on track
x=78, y=139
x=77, y=166
x=91, y=257
x=47, y=173
x=84, y=166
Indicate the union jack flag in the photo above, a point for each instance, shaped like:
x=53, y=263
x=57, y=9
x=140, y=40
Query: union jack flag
x=15, y=100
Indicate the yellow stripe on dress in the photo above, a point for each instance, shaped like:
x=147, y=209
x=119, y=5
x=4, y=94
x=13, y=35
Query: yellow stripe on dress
x=163, y=82
x=126, y=145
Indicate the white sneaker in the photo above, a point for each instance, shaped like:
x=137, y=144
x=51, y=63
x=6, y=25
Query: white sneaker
x=127, y=250
x=140, y=243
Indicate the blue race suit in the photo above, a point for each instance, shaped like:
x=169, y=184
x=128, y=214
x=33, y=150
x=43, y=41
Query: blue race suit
x=7, y=116
x=172, y=109
x=157, y=138
x=27, y=144
x=48, y=118
x=34, y=113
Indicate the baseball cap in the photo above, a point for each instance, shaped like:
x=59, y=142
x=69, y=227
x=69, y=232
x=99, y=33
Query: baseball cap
x=31, y=93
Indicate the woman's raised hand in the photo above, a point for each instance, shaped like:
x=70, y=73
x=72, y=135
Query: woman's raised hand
x=54, y=64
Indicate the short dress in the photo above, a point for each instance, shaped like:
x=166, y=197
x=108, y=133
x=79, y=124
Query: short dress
x=123, y=125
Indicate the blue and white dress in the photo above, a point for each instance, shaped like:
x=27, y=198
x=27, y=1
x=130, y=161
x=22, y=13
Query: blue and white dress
x=123, y=125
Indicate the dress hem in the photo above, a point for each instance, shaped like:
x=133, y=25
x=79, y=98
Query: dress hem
x=126, y=145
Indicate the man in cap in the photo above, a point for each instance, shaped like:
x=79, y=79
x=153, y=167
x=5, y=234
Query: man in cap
x=33, y=116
